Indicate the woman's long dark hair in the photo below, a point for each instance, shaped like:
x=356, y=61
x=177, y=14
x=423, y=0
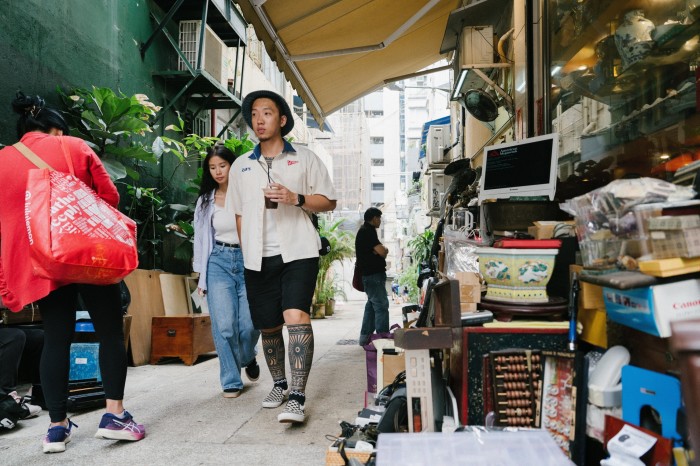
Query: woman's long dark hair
x=34, y=115
x=208, y=182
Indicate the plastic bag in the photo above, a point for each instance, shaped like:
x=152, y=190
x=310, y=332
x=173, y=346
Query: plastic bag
x=74, y=235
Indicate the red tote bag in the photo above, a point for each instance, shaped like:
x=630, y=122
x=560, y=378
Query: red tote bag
x=74, y=235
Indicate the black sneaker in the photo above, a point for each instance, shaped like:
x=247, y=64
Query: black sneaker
x=252, y=370
x=232, y=392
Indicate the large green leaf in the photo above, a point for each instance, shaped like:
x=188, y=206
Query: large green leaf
x=133, y=174
x=158, y=147
x=180, y=207
x=106, y=136
x=92, y=118
x=114, y=167
x=131, y=152
x=129, y=124
x=119, y=108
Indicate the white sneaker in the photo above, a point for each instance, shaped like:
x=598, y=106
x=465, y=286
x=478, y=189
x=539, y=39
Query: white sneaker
x=34, y=410
x=31, y=410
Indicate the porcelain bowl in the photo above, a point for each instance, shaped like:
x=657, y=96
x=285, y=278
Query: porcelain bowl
x=516, y=275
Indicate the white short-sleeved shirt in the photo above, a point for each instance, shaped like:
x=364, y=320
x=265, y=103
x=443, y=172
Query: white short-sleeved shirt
x=300, y=171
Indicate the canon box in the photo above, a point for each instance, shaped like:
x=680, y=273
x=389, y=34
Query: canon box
x=651, y=309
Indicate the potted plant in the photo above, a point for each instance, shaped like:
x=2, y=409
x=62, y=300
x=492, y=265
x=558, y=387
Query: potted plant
x=333, y=289
x=342, y=247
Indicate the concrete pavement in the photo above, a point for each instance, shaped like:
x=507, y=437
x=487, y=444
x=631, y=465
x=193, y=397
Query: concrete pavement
x=189, y=422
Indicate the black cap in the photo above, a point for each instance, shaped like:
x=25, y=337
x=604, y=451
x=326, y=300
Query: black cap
x=247, y=108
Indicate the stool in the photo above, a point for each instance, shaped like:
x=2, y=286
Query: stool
x=641, y=387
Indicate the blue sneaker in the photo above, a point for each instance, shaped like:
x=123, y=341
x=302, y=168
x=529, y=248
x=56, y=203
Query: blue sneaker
x=56, y=438
x=120, y=428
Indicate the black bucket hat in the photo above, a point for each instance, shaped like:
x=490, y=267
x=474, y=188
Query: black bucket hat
x=247, y=108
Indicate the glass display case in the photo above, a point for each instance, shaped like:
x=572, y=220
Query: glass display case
x=623, y=89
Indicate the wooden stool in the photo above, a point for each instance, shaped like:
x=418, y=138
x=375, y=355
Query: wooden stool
x=185, y=337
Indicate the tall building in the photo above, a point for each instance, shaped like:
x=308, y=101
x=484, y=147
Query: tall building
x=347, y=143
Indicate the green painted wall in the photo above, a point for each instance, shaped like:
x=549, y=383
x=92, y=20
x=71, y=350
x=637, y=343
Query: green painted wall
x=75, y=43
x=81, y=43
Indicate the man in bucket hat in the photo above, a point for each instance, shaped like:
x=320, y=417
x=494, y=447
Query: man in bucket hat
x=271, y=188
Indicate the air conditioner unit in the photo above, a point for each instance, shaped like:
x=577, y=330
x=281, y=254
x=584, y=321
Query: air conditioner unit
x=476, y=49
x=426, y=196
x=437, y=141
x=438, y=183
x=213, y=51
x=477, y=46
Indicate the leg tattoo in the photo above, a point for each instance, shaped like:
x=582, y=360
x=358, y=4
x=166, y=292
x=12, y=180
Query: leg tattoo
x=273, y=347
x=301, y=354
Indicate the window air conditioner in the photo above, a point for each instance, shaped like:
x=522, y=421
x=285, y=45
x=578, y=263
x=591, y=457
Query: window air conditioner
x=426, y=190
x=476, y=49
x=213, y=50
x=477, y=46
x=438, y=183
x=437, y=141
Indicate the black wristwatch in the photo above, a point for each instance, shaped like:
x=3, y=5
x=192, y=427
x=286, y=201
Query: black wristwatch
x=300, y=200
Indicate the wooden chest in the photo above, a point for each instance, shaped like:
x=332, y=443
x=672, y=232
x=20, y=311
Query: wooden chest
x=184, y=337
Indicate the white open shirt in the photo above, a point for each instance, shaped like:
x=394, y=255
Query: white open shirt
x=300, y=171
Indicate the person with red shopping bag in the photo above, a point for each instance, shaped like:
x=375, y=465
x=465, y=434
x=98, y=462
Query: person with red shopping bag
x=41, y=131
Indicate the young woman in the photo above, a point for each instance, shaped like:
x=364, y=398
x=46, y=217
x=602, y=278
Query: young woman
x=219, y=261
x=41, y=129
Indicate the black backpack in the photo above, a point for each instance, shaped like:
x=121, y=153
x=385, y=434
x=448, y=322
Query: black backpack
x=10, y=412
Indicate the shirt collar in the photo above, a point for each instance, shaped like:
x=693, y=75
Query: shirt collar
x=256, y=154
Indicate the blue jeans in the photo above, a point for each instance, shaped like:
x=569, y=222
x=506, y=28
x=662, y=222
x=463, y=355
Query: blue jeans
x=376, y=316
x=235, y=338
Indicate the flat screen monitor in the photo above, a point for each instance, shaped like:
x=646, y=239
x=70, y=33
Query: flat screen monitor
x=525, y=168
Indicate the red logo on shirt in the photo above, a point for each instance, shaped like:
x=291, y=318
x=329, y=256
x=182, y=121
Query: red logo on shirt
x=292, y=162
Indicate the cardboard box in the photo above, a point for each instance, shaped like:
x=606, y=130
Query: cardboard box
x=545, y=229
x=593, y=325
x=333, y=458
x=470, y=293
x=651, y=309
x=675, y=236
x=392, y=365
x=467, y=307
x=590, y=296
x=467, y=278
x=670, y=243
x=469, y=287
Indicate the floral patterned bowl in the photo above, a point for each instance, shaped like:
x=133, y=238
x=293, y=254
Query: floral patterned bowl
x=516, y=275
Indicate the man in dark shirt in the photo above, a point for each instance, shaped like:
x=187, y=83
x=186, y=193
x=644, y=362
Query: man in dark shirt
x=371, y=259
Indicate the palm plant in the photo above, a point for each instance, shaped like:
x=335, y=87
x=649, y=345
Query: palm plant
x=420, y=247
x=342, y=247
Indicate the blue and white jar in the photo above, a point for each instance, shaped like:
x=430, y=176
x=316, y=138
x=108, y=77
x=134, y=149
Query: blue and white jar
x=633, y=37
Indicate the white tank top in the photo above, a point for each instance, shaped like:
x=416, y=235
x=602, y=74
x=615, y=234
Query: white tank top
x=224, y=224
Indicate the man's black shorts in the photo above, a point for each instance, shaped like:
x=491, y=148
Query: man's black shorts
x=278, y=287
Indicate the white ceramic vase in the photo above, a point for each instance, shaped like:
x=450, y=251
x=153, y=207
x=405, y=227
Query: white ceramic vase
x=633, y=37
